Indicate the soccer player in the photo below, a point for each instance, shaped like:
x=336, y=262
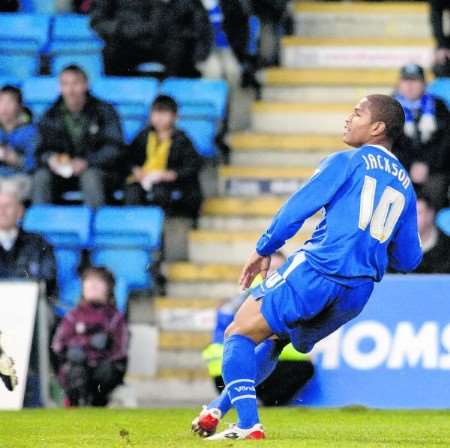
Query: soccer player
x=369, y=222
x=7, y=371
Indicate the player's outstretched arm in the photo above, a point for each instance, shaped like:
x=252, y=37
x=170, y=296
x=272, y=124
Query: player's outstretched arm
x=256, y=264
x=306, y=201
x=405, y=251
x=7, y=370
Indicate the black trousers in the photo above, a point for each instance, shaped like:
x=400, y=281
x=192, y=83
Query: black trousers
x=282, y=384
x=91, y=386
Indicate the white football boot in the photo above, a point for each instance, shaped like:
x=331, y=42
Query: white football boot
x=256, y=432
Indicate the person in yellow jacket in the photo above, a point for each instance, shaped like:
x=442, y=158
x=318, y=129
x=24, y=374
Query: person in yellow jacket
x=293, y=371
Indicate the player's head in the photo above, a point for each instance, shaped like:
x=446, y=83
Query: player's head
x=74, y=86
x=11, y=208
x=426, y=213
x=163, y=113
x=376, y=119
x=97, y=285
x=412, y=82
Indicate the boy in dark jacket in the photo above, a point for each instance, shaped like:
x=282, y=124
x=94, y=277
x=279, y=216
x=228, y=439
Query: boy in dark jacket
x=80, y=140
x=92, y=343
x=164, y=166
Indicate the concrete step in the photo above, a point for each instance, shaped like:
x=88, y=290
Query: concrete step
x=174, y=314
x=187, y=374
x=363, y=52
x=212, y=246
x=259, y=180
x=387, y=19
x=233, y=223
x=305, y=150
x=295, y=118
x=262, y=207
x=210, y=281
x=180, y=359
x=184, y=340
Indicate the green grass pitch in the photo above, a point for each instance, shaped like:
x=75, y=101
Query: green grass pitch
x=167, y=428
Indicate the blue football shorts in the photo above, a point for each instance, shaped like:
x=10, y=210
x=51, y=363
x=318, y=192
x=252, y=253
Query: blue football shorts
x=301, y=304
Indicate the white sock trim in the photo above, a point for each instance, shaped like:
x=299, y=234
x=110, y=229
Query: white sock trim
x=241, y=397
x=245, y=380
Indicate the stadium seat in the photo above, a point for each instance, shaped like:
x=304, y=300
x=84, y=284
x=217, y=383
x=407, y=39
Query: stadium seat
x=40, y=6
x=74, y=29
x=130, y=266
x=202, y=134
x=128, y=227
x=131, y=126
x=40, y=92
x=25, y=31
x=443, y=220
x=9, y=80
x=62, y=226
x=440, y=87
x=19, y=65
x=91, y=63
x=131, y=96
x=198, y=98
x=69, y=289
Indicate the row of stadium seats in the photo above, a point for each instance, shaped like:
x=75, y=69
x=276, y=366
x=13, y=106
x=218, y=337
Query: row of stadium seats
x=119, y=238
x=202, y=103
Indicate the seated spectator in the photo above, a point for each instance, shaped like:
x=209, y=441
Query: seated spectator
x=91, y=343
x=9, y=5
x=435, y=244
x=424, y=146
x=293, y=370
x=175, y=33
x=23, y=255
x=17, y=140
x=442, y=57
x=79, y=145
x=163, y=164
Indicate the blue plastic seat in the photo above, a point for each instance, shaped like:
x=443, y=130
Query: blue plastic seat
x=202, y=133
x=131, y=126
x=198, y=98
x=131, y=96
x=62, y=226
x=74, y=29
x=9, y=80
x=443, y=220
x=40, y=92
x=128, y=227
x=47, y=6
x=91, y=63
x=130, y=266
x=440, y=87
x=19, y=65
x=24, y=31
x=69, y=288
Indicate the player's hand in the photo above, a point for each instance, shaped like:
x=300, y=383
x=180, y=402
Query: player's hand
x=8, y=372
x=256, y=264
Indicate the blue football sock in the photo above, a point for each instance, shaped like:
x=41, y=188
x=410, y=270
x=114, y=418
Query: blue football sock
x=266, y=361
x=239, y=373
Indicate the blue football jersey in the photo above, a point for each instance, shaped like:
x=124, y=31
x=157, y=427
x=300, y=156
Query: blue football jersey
x=369, y=217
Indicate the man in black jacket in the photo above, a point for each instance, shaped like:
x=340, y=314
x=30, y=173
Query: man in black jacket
x=23, y=255
x=80, y=141
x=424, y=147
x=164, y=167
x=175, y=33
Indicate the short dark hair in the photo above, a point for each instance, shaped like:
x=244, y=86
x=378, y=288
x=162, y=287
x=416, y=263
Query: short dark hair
x=75, y=69
x=14, y=91
x=388, y=110
x=165, y=102
x=106, y=275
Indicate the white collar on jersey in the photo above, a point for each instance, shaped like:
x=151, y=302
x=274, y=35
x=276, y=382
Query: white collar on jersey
x=384, y=150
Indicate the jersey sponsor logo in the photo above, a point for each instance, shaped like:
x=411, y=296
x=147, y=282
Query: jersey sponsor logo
x=371, y=345
x=240, y=389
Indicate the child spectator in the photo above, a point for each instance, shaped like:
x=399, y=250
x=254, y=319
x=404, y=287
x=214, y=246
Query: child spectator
x=91, y=343
x=80, y=143
x=424, y=147
x=164, y=167
x=17, y=140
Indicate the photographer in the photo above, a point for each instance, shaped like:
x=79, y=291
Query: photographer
x=91, y=343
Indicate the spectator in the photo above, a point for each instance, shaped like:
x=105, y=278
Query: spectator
x=424, y=146
x=17, y=140
x=22, y=255
x=435, y=244
x=80, y=143
x=175, y=33
x=293, y=370
x=442, y=56
x=164, y=166
x=9, y=5
x=91, y=343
